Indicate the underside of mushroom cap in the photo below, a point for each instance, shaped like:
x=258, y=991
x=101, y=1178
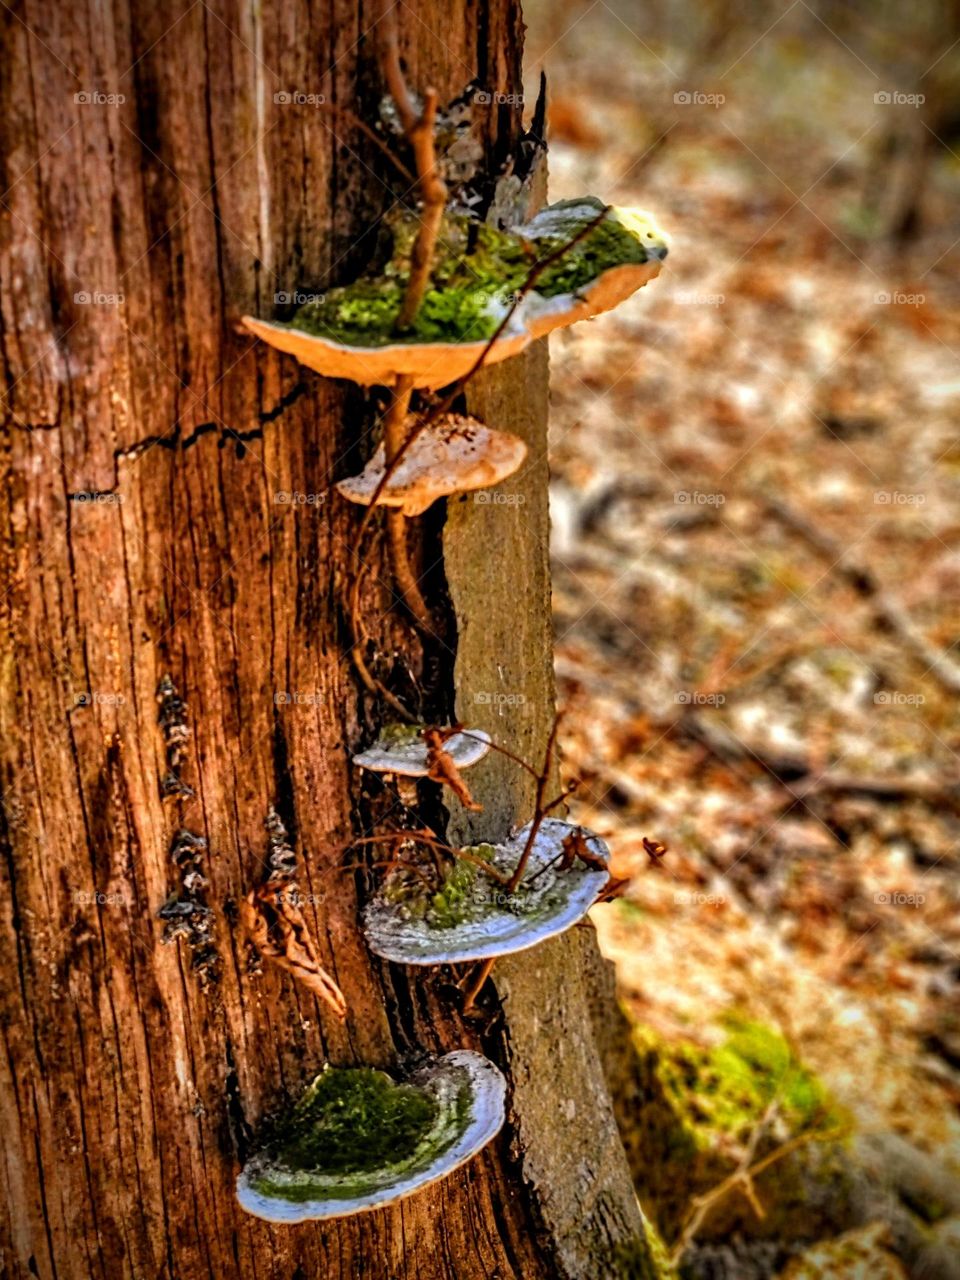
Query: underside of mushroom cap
x=357, y=1140
x=454, y=454
x=478, y=276
x=472, y=916
x=402, y=749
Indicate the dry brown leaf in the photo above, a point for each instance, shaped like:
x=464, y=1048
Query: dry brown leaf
x=443, y=770
x=278, y=930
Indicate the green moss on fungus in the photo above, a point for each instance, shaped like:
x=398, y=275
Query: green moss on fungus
x=477, y=272
x=355, y=1120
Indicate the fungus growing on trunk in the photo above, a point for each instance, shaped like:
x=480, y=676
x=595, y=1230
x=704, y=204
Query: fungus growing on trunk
x=405, y=751
x=478, y=272
x=475, y=916
x=358, y=1140
x=454, y=454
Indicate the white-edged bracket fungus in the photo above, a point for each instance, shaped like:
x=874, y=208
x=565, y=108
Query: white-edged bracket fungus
x=451, y=455
x=357, y=1140
x=473, y=917
x=477, y=276
x=401, y=750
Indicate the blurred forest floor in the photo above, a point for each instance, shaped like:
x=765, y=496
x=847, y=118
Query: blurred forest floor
x=756, y=547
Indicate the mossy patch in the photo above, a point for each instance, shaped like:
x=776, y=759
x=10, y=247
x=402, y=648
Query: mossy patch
x=687, y=1115
x=477, y=272
x=355, y=1120
x=355, y=1130
x=455, y=899
x=726, y=1089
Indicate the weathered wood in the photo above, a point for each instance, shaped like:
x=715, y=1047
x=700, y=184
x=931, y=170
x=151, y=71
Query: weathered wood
x=133, y=1083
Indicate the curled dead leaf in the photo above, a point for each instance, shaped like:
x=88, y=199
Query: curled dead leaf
x=278, y=930
x=442, y=768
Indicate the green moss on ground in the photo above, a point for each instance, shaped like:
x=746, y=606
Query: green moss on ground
x=688, y=1112
x=476, y=274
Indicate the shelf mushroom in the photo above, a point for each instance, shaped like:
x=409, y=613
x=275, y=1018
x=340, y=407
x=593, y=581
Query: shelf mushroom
x=475, y=917
x=402, y=749
x=409, y=751
x=358, y=1140
x=479, y=275
x=454, y=454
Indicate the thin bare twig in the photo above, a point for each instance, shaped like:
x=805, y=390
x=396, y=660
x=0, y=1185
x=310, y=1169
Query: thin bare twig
x=538, y=807
x=481, y=974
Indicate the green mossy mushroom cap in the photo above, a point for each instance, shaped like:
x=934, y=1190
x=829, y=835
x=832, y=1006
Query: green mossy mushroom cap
x=470, y=916
x=477, y=276
x=358, y=1140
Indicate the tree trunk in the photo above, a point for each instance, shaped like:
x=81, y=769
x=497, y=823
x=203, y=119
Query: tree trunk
x=146, y=443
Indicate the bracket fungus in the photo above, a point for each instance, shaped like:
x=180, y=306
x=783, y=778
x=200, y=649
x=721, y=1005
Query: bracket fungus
x=403, y=750
x=478, y=278
x=357, y=1140
x=473, y=916
x=454, y=454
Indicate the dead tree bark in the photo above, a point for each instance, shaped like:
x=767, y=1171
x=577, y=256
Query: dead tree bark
x=154, y=189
